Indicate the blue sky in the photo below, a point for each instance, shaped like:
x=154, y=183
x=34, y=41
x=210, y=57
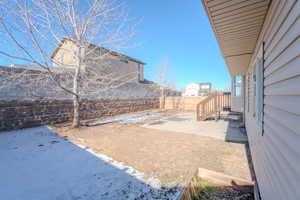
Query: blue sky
x=178, y=31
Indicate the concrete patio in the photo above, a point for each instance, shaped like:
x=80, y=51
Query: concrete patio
x=226, y=129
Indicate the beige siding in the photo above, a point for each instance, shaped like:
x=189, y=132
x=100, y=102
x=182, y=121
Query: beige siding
x=130, y=70
x=237, y=104
x=65, y=55
x=121, y=70
x=276, y=153
x=141, y=72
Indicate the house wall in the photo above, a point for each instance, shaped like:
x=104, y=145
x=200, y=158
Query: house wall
x=22, y=83
x=141, y=72
x=276, y=151
x=197, y=89
x=65, y=55
x=237, y=104
x=192, y=89
x=118, y=66
x=128, y=70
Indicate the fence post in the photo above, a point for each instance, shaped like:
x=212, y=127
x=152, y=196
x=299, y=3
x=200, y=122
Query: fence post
x=162, y=102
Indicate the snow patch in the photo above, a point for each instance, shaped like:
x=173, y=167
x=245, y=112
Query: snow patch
x=128, y=118
x=37, y=164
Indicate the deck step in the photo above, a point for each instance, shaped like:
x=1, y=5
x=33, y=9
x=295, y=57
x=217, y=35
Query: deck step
x=218, y=179
x=223, y=179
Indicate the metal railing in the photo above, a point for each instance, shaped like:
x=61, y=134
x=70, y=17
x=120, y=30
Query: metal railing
x=213, y=105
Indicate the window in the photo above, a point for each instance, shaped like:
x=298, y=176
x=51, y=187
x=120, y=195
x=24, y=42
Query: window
x=62, y=59
x=259, y=84
x=123, y=60
x=254, y=91
x=238, y=86
x=248, y=91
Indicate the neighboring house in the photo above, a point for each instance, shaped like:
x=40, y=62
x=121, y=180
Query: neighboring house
x=117, y=65
x=168, y=91
x=197, y=89
x=63, y=60
x=260, y=42
x=171, y=92
x=20, y=82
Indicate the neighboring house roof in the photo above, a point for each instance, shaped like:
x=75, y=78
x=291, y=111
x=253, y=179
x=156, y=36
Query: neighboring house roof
x=114, y=53
x=237, y=26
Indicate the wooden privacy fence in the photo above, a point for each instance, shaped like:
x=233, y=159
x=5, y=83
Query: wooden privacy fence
x=213, y=105
x=188, y=104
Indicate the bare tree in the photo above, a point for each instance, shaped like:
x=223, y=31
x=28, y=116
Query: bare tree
x=32, y=29
x=166, y=83
x=164, y=78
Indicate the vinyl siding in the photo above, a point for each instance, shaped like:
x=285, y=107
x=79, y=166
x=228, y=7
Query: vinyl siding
x=131, y=71
x=276, y=153
x=65, y=55
x=237, y=104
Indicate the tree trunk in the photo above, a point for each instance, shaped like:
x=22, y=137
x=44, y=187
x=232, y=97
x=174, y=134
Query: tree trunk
x=76, y=119
x=162, y=98
x=162, y=92
x=76, y=106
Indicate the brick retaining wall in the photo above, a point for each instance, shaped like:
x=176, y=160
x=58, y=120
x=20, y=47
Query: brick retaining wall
x=16, y=114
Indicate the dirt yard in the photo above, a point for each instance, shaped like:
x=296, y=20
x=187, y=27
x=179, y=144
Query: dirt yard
x=172, y=157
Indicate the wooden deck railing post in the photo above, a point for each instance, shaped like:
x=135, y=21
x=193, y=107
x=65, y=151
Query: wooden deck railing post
x=213, y=105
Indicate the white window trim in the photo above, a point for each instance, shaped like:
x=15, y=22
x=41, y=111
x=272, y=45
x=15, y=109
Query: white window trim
x=236, y=85
x=259, y=76
x=248, y=90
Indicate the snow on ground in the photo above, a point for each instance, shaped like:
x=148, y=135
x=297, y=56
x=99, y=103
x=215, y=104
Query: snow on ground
x=128, y=118
x=37, y=164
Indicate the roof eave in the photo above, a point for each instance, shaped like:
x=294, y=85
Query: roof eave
x=237, y=52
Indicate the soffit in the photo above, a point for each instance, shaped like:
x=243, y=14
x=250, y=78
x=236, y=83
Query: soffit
x=237, y=25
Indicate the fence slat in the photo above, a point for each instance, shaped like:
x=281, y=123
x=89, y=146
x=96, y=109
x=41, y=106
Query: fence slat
x=212, y=105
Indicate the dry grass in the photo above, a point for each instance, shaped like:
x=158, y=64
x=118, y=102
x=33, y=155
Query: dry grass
x=200, y=189
x=173, y=157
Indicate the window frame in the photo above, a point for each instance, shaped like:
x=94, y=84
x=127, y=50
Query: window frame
x=237, y=85
x=248, y=91
x=254, y=91
x=124, y=60
x=259, y=92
